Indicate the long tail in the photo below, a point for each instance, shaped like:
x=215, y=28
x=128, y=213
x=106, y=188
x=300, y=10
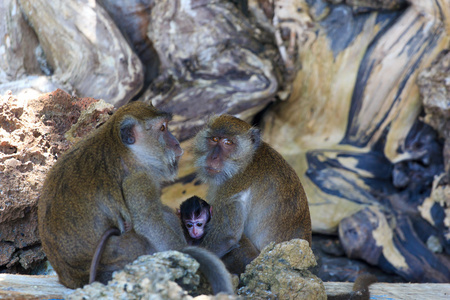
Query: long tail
x=98, y=252
x=213, y=268
x=360, y=289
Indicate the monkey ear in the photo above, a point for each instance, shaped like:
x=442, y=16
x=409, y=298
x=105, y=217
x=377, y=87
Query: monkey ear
x=127, y=132
x=211, y=211
x=255, y=135
x=178, y=213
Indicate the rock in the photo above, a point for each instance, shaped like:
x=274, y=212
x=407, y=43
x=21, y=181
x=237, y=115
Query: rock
x=281, y=272
x=31, y=139
x=158, y=276
x=90, y=118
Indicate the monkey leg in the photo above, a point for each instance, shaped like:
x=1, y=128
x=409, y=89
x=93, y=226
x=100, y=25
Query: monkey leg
x=238, y=258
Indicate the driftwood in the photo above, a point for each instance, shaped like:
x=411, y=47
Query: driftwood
x=354, y=132
x=84, y=47
x=391, y=243
x=352, y=98
x=48, y=287
x=18, y=45
x=213, y=60
x=132, y=18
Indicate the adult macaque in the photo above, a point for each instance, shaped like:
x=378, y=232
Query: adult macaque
x=194, y=213
x=108, y=184
x=253, y=190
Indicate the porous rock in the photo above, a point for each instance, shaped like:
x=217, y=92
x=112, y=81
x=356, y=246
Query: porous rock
x=158, y=276
x=281, y=272
x=31, y=138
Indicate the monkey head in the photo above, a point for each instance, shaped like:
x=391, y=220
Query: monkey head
x=224, y=147
x=145, y=135
x=195, y=213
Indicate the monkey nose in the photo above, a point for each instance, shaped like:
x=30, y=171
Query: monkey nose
x=179, y=151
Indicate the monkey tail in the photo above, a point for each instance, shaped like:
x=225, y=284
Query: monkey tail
x=360, y=289
x=213, y=268
x=361, y=286
x=98, y=252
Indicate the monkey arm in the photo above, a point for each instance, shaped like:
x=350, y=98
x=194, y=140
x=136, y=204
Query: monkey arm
x=150, y=218
x=226, y=227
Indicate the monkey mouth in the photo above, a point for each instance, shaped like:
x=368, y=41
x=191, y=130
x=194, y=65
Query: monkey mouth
x=212, y=170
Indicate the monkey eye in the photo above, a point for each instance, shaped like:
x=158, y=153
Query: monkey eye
x=163, y=127
x=228, y=142
x=189, y=225
x=215, y=139
x=199, y=224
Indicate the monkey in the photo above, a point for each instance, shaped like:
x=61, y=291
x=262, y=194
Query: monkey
x=360, y=289
x=254, y=191
x=194, y=213
x=100, y=202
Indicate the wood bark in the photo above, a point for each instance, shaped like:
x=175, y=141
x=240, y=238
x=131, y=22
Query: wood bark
x=354, y=131
x=18, y=46
x=84, y=47
x=213, y=60
x=354, y=102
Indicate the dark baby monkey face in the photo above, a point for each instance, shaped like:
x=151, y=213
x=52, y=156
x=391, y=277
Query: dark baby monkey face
x=195, y=213
x=196, y=225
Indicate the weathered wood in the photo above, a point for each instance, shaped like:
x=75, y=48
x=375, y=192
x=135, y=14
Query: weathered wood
x=132, y=17
x=18, y=44
x=38, y=287
x=390, y=242
x=350, y=127
x=31, y=287
x=85, y=48
x=213, y=60
x=352, y=105
x=394, y=291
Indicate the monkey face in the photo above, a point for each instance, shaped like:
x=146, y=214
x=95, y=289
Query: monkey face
x=152, y=144
x=196, y=226
x=224, y=148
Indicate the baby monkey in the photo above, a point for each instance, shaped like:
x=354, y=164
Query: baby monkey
x=194, y=213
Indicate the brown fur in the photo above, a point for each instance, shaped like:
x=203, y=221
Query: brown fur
x=112, y=179
x=262, y=197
